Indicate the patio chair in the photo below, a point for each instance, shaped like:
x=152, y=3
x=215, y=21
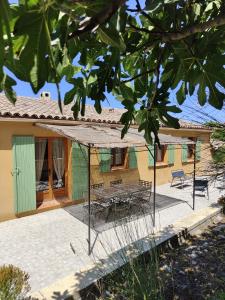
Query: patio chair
x=97, y=186
x=180, y=176
x=116, y=182
x=120, y=205
x=143, y=197
x=147, y=184
x=202, y=185
x=96, y=209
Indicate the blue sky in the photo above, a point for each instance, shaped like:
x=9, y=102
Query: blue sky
x=191, y=110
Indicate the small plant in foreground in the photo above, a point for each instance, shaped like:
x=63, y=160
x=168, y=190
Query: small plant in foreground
x=221, y=201
x=219, y=296
x=138, y=279
x=13, y=283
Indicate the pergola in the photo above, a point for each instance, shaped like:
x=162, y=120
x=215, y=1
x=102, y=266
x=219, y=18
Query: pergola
x=109, y=136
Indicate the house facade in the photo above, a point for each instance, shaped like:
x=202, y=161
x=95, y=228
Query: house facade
x=41, y=169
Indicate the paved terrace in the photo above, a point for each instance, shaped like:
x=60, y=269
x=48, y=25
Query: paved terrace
x=53, y=245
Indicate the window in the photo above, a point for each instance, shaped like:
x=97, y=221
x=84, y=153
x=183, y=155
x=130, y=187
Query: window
x=190, y=152
x=50, y=163
x=160, y=153
x=118, y=156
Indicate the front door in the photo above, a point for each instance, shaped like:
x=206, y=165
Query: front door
x=51, y=168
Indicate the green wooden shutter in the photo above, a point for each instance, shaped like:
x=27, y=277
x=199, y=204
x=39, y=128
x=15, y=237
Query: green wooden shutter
x=132, y=158
x=171, y=154
x=79, y=171
x=105, y=160
x=151, y=156
x=184, y=152
x=24, y=173
x=198, y=150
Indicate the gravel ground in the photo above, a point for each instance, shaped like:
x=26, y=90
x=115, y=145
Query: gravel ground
x=196, y=269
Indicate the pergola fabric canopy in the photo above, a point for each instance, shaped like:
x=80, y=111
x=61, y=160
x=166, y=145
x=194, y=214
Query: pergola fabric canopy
x=108, y=137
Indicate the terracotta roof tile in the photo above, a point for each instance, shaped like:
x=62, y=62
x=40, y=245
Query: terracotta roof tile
x=27, y=107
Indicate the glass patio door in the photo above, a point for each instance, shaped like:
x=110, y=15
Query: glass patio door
x=50, y=162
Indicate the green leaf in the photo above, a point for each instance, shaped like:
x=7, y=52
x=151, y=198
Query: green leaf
x=181, y=94
x=139, y=87
x=69, y=71
x=202, y=94
x=191, y=88
x=92, y=79
x=127, y=92
x=173, y=109
x=121, y=19
x=69, y=96
x=216, y=98
x=98, y=106
x=76, y=107
x=33, y=25
x=1, y=51
x=6, y=86
x=5, y=17
x=197, y=8
x=126, y=119
x=152, y=5
x=209, y=6
x=110, y=36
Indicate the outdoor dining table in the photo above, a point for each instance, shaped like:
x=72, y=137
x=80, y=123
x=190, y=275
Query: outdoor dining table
x=106, y=193
x=133, y=188
x=119, y=191
x=115, y=199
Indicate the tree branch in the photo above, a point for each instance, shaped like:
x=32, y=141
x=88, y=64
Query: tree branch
x=138, y=75
x=139, y=28
x=157, y=71
x=91, y=24
x=217, y=21
x=147, y=16
x=182, y=34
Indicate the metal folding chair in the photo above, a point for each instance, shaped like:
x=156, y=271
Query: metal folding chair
x=202, y=185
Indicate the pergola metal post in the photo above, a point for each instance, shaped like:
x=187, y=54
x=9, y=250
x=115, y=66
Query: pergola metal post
x=89, y=199
x=154, y=187
x=194, y=176
x=154, y=178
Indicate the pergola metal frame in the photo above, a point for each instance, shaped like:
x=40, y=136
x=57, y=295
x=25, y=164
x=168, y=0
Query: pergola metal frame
x=154, y=186
x=59, y=130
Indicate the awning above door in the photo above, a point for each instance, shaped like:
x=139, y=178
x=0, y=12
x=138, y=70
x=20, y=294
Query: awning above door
x=108, y=137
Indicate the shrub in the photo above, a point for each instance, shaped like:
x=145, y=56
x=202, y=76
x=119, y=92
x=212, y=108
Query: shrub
x=219, y=296
x=13, y=283
x=221, y=201
x=219, y=155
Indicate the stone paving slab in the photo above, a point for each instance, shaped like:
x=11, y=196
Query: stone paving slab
x=72, y=284
x=41, y=244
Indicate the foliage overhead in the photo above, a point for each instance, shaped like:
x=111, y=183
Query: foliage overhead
x=218, y=136
x=137, y=53
x=218, y=130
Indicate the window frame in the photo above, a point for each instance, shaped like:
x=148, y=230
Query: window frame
x=163, y=149
x=123, y=158
x=191, y=148
x=52, y=193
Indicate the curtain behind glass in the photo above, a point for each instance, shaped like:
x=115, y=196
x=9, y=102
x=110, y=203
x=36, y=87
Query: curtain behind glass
x=118, y=156
x=58, y=160
x=159, y=154
x=40, y=147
